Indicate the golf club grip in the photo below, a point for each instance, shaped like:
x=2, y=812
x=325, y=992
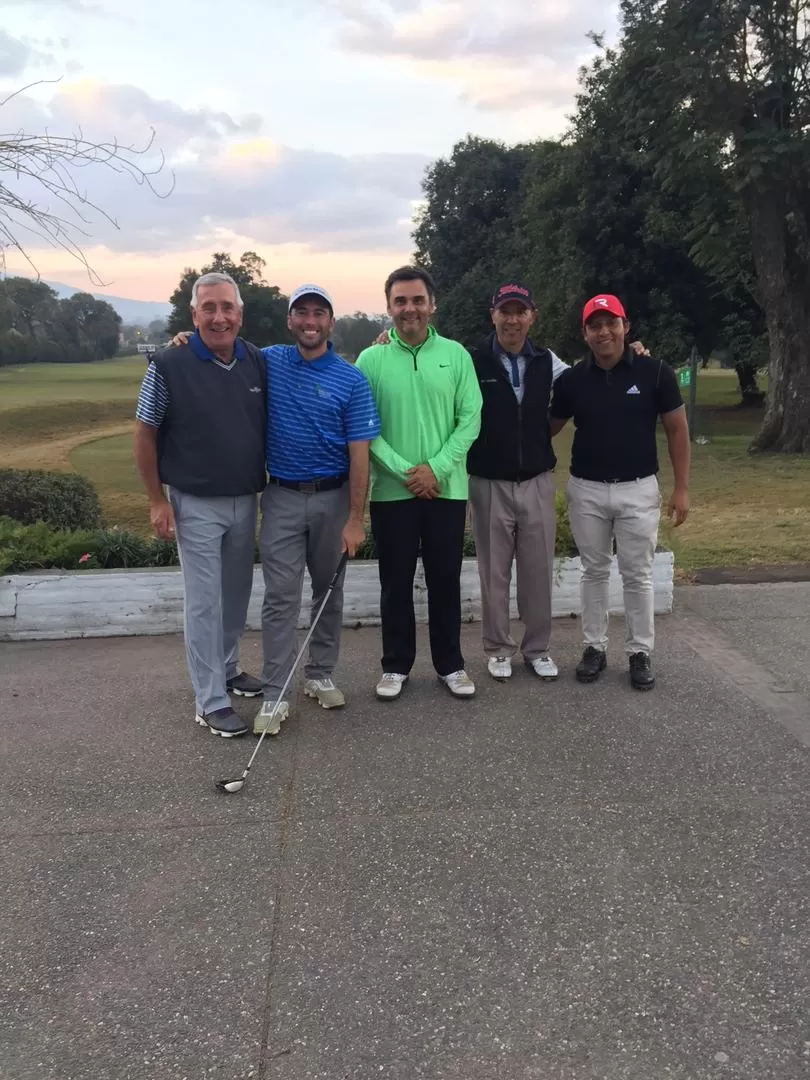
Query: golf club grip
x=344, y=558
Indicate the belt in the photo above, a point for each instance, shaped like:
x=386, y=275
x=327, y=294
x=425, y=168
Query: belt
x=310, y=487
x=614, y=479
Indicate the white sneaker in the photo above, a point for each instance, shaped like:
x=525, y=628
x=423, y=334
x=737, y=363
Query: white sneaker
x=390, y=685
x=264, y=718
x=543, y=667
x=459, y=683
x=500, y=667
x=325, y=693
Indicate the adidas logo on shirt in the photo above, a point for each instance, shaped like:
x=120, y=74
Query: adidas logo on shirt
x=634, y=389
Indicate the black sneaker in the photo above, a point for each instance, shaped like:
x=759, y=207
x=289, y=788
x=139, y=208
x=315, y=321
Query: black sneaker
x=642, y=676
x=244, y=685
x=223, y=722
x=593, y=662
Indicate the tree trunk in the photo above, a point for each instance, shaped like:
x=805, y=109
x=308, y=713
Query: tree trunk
x=783, y=281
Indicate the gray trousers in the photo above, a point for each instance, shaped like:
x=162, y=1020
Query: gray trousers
x=515, y=522
x=216, y=540
x=299, y=531
x=630, y=512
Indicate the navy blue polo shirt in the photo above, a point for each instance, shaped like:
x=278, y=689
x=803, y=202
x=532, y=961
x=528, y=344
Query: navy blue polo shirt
x=315, y=408
x=615, y=413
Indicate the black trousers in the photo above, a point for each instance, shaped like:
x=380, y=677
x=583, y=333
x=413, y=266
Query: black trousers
x=401, y=529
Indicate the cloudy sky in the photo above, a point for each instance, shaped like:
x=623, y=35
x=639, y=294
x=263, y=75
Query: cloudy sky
x=300, y=129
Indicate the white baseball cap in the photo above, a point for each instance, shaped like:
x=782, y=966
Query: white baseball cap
x=310, y=290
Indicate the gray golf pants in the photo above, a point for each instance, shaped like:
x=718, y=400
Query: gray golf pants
x=630, y=512
x=297, y=531
x=515, y=522
x=216, y=539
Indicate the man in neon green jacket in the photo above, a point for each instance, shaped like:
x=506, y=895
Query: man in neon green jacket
x=429, y=403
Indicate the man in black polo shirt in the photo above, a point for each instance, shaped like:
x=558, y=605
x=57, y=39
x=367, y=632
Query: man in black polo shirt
x=615, y=398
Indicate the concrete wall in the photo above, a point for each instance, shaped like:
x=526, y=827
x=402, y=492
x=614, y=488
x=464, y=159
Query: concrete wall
x=108, y=603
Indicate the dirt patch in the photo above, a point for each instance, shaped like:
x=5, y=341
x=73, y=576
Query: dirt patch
x=748, y=575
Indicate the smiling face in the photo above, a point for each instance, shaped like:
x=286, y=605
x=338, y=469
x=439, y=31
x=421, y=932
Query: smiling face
x=410, y=305
x=311, y=322
x=605, y=335
x=218, y=316
x=512, y=322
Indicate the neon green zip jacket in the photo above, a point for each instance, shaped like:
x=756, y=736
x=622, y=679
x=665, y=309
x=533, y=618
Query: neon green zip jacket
x=429, y=403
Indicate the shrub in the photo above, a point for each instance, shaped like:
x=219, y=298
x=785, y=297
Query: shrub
x=37, y=547
x=40, y=547
x=61, y=500
x=565, y=548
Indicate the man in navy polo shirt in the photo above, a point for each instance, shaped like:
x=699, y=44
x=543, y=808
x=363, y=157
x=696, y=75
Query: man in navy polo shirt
x=321, y=419
x=200, y=430
x=615, y=399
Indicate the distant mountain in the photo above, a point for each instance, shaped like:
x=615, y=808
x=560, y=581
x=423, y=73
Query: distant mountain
x=132, y=312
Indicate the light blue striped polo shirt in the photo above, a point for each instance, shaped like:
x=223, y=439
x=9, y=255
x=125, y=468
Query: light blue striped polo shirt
x=315, y=408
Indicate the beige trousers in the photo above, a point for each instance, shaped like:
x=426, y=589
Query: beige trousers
x=515, y=522
x=631, y=513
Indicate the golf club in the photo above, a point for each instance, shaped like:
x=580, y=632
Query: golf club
x=231, y=786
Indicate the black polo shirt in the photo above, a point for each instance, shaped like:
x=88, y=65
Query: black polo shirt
x=615, y=414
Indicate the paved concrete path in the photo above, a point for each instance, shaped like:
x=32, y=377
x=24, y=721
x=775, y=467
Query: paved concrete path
x=550, y=882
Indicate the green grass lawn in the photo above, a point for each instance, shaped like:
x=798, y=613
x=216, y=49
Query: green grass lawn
x=51, y=384
x=745, y=509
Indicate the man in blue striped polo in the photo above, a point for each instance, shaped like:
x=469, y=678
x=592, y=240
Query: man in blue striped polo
x=321, y=419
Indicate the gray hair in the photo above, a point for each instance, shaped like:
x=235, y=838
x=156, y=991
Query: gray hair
x=215, y=278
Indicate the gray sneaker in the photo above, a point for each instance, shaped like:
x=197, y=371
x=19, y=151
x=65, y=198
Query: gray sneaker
x=325, y=693
x=271, y=717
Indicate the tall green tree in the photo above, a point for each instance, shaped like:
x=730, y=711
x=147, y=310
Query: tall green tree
x=37, y=327
x=95, y=324
x=725, y=84
x=264, y=318
x=464, y=235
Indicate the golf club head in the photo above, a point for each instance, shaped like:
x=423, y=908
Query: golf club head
x=230, y=786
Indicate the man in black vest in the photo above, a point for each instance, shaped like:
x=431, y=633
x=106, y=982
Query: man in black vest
x=200, y=430
x=512, y=485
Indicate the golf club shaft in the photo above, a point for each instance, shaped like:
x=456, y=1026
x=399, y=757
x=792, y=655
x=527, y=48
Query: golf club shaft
x=343, y=559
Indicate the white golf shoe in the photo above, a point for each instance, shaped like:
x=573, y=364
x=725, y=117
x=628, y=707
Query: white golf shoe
x=500, y=667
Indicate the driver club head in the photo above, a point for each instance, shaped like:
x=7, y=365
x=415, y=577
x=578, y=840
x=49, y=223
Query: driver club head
x=230, y=786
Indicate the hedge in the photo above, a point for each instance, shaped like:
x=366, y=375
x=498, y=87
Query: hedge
x=39, y=547
x=61, y=500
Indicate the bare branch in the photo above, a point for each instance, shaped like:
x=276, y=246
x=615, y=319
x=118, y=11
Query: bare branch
x=49, y=163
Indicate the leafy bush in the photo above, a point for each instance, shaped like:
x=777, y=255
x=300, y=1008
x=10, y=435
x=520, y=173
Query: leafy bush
x=39, y=547
x=61, y=500
x=565, y=548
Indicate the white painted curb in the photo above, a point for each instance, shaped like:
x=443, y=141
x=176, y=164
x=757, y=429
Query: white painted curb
x=109, y=603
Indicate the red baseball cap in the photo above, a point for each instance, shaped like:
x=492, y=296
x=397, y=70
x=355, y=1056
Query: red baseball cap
x=603, y=302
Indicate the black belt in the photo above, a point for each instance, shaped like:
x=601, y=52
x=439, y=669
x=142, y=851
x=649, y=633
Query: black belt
x=614, y=479
x=310, y=487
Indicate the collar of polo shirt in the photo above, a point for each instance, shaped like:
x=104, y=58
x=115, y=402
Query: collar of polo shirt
x=497, y=349
x=321, y=361
x=625, y=358
x=202, y=352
